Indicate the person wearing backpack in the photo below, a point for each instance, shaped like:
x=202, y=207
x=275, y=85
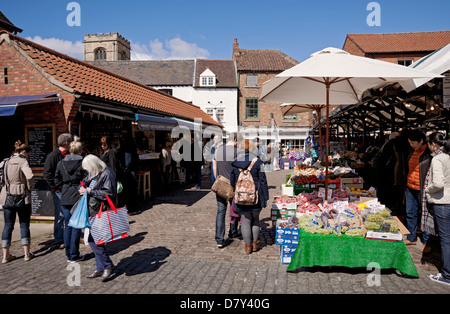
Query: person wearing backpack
x=251, y=193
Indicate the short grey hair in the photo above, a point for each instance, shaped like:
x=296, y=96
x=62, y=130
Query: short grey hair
x=64, y=138
x=93, y=165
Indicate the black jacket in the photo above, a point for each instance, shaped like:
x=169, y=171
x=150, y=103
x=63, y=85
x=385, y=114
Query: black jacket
x=69, y=181
x=106, y=184
x=51, y=161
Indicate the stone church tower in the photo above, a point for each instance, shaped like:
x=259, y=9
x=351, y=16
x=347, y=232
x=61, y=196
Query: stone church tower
x=107, y=47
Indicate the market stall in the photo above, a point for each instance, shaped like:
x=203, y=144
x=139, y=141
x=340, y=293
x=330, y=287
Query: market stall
x=350, y=229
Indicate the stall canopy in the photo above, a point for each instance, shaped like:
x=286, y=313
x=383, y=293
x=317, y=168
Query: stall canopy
x=8, y=104
x=146, y=122
x=411, y=103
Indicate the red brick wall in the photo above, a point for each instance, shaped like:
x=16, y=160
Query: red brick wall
x=265, y=109
x=24, y=79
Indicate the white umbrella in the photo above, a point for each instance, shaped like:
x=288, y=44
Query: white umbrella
x=333, y=77
x=437, y=62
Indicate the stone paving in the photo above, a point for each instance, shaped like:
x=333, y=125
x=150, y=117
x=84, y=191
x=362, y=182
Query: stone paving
x=171, y=250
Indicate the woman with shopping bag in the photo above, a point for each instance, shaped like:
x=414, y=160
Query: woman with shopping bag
x=105, y=187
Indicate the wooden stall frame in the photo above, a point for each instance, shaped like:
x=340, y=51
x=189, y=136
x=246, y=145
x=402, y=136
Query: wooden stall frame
x=76, y=125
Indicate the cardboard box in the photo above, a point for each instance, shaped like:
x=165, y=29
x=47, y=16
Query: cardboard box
x=284, y=204
x=286, y=253
x=286, y=236
x=287, y=190
x=356, y=183
x=384, y=236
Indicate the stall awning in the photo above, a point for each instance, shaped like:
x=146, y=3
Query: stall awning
x=8, y=104
x=146, y=122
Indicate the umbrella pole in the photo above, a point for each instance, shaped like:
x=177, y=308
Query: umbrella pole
x=318, y=111
x=327, y=139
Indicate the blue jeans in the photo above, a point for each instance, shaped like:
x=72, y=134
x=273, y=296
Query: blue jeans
x=442, y=220
x=71, y=236
x=413, y=210
x=101, y=256
x=58, y=227
x=220, y=219
x=10, y=219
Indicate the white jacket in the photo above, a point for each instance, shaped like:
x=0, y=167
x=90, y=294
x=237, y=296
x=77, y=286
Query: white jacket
x=438, y=189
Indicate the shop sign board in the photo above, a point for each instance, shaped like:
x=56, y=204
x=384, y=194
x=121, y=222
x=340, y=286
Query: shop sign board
x=446, y=90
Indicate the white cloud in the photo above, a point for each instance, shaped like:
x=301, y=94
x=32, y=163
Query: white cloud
x=73, y=49
x=174, y=48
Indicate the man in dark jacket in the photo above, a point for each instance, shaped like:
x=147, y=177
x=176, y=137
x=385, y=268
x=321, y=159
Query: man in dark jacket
x=50, y=165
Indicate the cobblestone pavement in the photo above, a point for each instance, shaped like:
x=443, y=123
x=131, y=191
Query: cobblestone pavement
x=172, y=250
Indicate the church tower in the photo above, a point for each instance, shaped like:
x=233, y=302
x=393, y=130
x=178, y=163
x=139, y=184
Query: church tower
x=106, y=47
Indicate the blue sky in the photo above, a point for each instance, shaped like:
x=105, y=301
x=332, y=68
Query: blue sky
x=160, y=29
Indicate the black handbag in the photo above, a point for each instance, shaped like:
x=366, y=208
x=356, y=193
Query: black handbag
x=12, y=201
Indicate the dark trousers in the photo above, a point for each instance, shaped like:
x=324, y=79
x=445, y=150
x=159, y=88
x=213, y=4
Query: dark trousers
x=71, y=235
x=101, y=256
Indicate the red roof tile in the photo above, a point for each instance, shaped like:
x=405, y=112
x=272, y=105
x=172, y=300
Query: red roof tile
x=90, y=80
x=262, y=60
x=398, y=42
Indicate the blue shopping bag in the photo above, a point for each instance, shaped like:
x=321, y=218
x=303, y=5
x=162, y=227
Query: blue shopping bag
x=80, y=217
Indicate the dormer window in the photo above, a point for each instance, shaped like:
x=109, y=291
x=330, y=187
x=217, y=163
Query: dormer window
x=208, y=78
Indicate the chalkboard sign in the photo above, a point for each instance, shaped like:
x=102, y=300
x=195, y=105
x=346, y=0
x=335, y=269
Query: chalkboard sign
x=41, y=198
x=42, y=140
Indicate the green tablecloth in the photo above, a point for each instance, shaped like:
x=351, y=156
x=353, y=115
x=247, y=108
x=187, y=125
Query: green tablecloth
x=321, y=250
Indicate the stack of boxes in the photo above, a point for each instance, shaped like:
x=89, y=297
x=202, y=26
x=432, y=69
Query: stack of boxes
x=286, y=238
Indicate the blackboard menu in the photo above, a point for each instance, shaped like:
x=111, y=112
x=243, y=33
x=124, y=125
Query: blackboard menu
x=41, y=139
x=42, y=199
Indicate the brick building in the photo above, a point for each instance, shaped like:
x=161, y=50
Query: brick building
x=41, y=86
x=254, y=68
x=400, y=48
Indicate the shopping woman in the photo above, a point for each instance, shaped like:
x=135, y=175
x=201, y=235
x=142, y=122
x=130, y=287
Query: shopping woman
x=105, y=184
x=108, y=155
x=68, y=175
x=250, y=213
x=417, y=167
x=18, y=180
x=437, y=191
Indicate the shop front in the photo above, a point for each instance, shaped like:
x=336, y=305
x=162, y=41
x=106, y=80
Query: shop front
x=47, y=93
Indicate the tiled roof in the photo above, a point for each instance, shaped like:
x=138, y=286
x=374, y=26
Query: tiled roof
x=262, y=60
x=398, y=42
x=87, y=79
x=224, y=70
x=153, y=72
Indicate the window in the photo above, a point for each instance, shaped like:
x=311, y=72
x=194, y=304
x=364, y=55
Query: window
x=100, y=54
x=207, y=78
x=210, y=112
x=251, y=108
x=168, y=91
x=252, y=80
x=220, y=115
x=290, y=117
x=405, y=62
